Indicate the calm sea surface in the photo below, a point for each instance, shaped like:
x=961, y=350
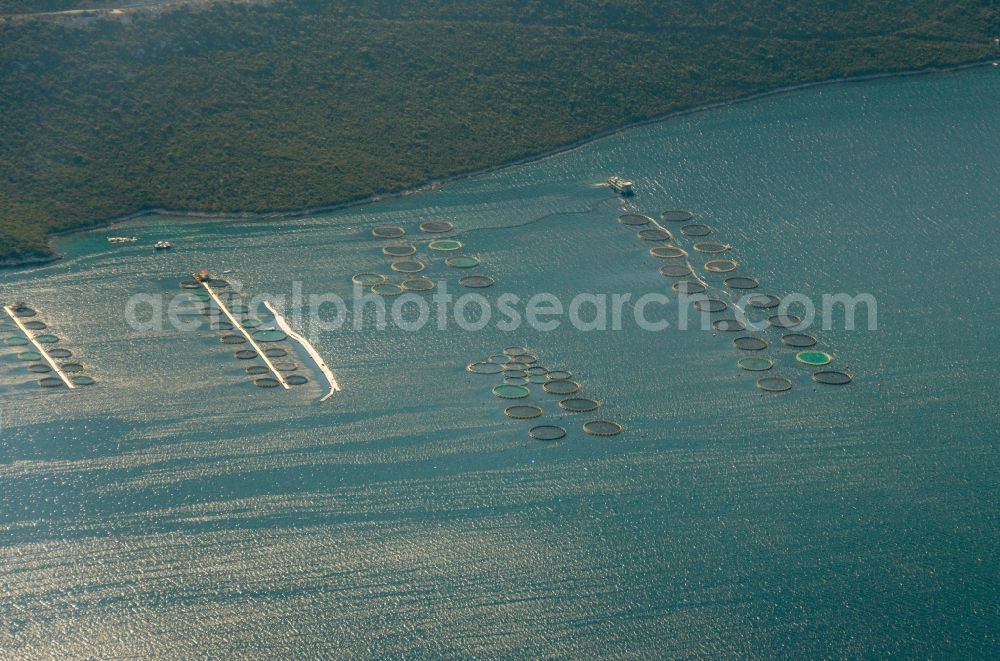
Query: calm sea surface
x=176, y=509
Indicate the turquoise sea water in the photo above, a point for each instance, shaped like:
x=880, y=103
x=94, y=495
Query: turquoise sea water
x=175, y=509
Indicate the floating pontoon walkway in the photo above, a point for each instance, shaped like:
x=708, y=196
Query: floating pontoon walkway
x=38, y=347
x=236, y=324
x=330, y=379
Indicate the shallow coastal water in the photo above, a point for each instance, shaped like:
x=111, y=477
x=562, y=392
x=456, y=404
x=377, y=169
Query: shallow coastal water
x=175, y=508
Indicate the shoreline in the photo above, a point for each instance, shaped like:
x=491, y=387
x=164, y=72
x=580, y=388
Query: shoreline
x=433, y=184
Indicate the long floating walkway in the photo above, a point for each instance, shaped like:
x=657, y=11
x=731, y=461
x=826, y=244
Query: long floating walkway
x=236, y=324
x=38, y=347
x=307, y=345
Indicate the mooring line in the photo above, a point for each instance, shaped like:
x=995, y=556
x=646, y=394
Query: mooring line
x=253, y=343
x=45, y=354
x=320, y=363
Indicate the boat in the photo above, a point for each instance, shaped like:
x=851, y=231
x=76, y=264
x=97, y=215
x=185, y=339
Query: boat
x=122, y=239
x=621, y=186
x=162, y=245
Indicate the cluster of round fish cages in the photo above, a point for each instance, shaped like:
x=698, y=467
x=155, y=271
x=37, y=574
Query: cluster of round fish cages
x=519, y=369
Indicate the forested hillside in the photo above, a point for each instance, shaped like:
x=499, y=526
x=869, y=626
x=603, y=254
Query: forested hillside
x=279, y=105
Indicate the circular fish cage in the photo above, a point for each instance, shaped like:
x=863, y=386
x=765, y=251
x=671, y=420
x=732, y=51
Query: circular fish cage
x=285, y=367
x=654, y=235
x=82, y=380
x=60, y=353
x=561, y=387
x=407, y=266
x=266, y=382
x=560, y=375
x=547, y=433
x=275, y=352
x=747, y=343
x=296, y=380
x=246, y=354
x=730, y=325
x=50, y=382
x=221, y=325
x=445, y=245
x=763, y=301
x=523, y=412
x=514, y=373
x=269, y=335
x=476, y=281
x=537, y=378
x=23, y=311
x=35, y=325
x=516, y=380
x=798, y=340
x=667, y=252
x=536, y=370
x=71, y=368
x=29, y=356
x=774, y=384
x=510, y=391
x=710, y=305
x=696, y=229
x=436, y=226
x=634, y=219
x=784, y=321
x=525, y=358
x=418, y=284
x=720, y=265
x=514, y=366
x=754, y=364
x=742, y=282
x=461, y=261
x=602, y=428
x=814, y=358
x=689, y=287
x=368, y=279
x=579, y=404
x=675, y=270
x=515, y=351
x=218, y=283
x=46, y=339
x=399, y=251
x=388, y=231
x=832, y=378
x=190, y=284
x=249, y=322
x=39, y=368
x=499, y=359
x=16, y=341
x=232, y=339
x=387, y=289
x=200, y=297
x=677, y=215
x=257, y=370
x=711, y=247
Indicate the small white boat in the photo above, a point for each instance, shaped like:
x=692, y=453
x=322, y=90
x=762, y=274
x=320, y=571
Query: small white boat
x=162, y=245
x=621, y=186
x=122, y=239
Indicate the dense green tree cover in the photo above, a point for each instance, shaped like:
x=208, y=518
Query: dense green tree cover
x=296, y=103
